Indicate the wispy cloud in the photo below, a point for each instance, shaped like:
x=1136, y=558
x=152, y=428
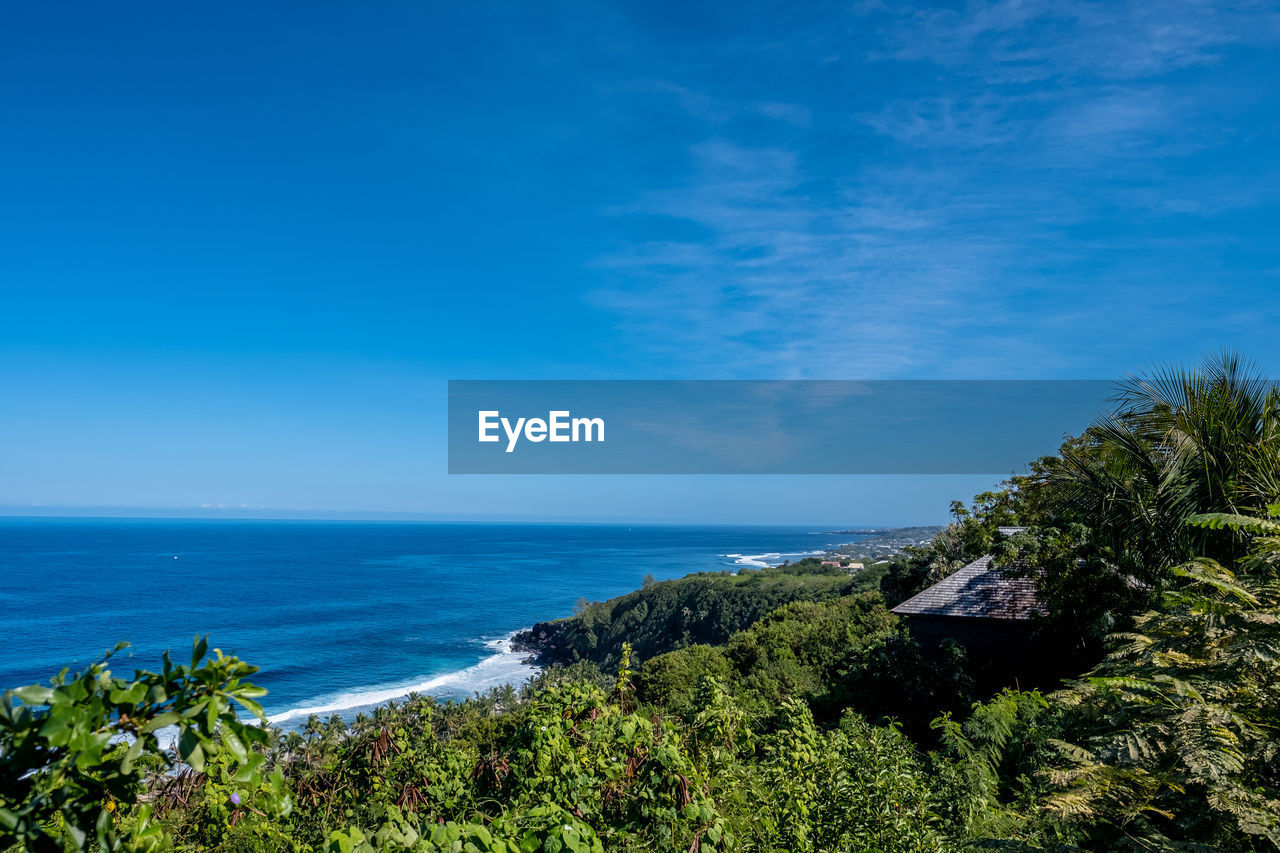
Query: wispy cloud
x=1023, y=41
x=715, y=110
x=1000, y=185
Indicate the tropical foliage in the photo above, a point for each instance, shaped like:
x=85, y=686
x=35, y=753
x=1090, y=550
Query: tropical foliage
x=73, y=751
x=1178, y=724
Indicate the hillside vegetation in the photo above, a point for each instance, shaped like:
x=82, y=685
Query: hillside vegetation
x=707, y=607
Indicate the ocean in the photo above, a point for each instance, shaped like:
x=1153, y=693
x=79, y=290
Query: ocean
x=339, y=616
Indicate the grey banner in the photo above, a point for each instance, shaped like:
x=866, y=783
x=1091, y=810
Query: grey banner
x=764, y=427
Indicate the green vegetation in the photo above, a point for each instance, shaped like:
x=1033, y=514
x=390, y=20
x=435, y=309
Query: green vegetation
x=785, y=709
x=707, y=607
x=75, y=753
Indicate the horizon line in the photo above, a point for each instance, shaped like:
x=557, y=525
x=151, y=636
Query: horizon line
x=109, y=513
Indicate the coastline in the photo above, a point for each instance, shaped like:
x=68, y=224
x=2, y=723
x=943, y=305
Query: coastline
x=505, y=665
x=549, y=565
x=516, y=658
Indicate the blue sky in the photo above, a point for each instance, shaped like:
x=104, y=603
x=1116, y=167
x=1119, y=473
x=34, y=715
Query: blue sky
x=243, y=247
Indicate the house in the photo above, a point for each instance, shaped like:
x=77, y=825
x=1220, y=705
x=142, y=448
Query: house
x=980, y=606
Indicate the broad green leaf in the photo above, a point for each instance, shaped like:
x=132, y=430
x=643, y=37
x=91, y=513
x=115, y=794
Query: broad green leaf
x=34, y=694
x=159, y=721
x=248, y=771
x=232, y=742
x=198, y=649
x=131, y=754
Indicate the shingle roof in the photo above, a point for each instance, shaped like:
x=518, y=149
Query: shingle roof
x=977, y=591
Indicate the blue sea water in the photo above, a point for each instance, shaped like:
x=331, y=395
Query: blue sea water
x=340, y=616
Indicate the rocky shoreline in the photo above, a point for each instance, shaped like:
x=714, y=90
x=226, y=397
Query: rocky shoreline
x=540, y=642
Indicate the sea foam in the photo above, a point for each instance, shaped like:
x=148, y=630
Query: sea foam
x=764, y=561
x=503, y=666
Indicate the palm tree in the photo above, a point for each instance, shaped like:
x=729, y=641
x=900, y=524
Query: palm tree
x=274, y=748
x=292, y=745
x=1180, y=442
x=313, y=728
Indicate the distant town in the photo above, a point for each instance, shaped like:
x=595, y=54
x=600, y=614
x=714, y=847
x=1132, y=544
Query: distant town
x=878, y=545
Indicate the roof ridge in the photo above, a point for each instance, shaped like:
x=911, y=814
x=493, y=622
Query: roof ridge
x=976, y=591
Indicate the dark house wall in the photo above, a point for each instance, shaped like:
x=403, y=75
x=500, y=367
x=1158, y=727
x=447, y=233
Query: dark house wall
x=994, y=637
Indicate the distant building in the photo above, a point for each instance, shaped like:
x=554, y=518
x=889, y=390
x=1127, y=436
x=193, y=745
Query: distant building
x=981, y=606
